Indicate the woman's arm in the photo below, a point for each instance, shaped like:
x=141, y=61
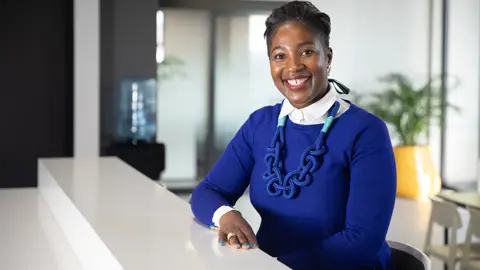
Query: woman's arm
x=370, y=204
x=228, y=179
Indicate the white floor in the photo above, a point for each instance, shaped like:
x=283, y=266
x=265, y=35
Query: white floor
x=409, y=222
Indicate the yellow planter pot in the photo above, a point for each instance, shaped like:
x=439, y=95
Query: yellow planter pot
x=416, y=175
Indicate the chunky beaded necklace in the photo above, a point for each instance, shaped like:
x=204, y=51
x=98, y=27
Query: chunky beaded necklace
x=288, y=185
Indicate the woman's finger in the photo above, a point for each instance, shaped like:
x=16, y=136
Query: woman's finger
x=250, y=235
x=242, y=239
x=233, y=241
x=222, y=238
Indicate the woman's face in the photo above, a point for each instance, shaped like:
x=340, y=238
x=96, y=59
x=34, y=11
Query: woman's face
x=299, y=63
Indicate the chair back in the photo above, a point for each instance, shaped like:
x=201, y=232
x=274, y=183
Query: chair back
x=407, y=257
x=445, y=214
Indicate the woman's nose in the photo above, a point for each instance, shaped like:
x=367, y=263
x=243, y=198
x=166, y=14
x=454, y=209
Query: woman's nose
x=295, y=65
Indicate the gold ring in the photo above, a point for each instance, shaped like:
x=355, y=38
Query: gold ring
x=230, y=235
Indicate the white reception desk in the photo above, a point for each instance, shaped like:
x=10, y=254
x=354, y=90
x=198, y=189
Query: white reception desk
x=113, y=217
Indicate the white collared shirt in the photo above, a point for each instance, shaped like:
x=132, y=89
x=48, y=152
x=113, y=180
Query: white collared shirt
x=316, y=113
x=313, y=114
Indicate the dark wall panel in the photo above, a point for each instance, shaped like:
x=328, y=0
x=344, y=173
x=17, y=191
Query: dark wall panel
x=107, y=72
x=36, y=86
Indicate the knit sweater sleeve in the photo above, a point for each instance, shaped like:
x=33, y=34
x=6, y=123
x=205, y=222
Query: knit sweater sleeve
x=369, y=209
x=229, y=177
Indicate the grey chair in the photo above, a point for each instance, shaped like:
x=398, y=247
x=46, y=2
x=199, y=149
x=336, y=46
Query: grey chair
x=406, y=257
x=446, y=215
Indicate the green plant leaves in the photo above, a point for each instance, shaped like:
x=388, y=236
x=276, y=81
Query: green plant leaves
x=409, y=110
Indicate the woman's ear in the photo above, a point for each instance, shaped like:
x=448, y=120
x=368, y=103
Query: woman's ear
x=329, y=56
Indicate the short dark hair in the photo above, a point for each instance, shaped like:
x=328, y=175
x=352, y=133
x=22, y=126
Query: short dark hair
x=301, y=11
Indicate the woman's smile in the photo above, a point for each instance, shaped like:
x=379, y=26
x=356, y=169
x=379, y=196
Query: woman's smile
x=296, y=83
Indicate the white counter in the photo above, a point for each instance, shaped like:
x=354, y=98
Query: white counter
x=116, y=218
x=29, y=235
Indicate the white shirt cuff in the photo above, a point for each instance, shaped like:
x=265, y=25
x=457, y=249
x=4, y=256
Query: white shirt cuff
x=222, y=210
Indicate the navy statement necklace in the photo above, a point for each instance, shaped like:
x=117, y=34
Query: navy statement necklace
x=288, y=185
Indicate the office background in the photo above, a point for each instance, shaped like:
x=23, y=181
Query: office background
x=60, y=79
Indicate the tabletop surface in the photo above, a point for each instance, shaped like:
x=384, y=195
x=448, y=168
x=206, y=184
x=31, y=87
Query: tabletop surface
x=144, y=225
x=469, y=199
x=29, y=235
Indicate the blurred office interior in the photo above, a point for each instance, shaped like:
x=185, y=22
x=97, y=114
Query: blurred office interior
x=165, y=84
x=209, y=64
x=227, y=75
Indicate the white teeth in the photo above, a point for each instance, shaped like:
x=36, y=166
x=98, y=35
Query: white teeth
x=297, y=81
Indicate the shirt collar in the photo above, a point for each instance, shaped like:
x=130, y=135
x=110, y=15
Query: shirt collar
x=314, y=111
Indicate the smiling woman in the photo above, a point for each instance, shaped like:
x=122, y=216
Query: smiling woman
x=321, y=170
x=300, y=56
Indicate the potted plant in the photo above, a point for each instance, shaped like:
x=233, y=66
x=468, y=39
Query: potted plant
x=409, y=111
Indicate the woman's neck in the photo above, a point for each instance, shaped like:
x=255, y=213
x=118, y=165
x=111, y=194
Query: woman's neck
x=319, y=96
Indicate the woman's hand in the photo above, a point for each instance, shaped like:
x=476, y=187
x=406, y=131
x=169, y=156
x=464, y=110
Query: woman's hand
x=236, y=231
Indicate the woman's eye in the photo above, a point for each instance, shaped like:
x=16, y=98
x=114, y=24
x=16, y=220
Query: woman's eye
x=279, y=56
x=307, y=52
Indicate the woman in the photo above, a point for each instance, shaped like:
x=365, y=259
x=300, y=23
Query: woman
x=321, y=170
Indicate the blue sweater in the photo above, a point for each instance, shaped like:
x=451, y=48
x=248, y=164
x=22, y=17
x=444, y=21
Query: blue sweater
x=338, y=221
